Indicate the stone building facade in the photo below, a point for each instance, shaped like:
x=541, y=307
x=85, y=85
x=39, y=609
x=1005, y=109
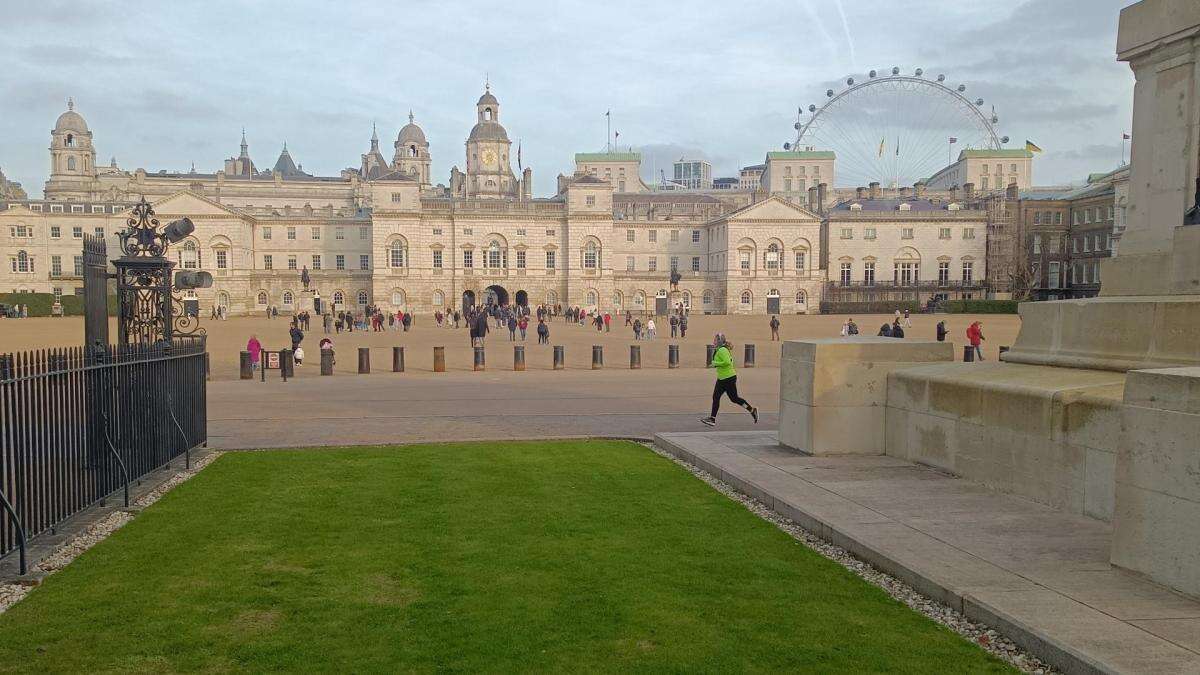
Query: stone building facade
x=382, y=233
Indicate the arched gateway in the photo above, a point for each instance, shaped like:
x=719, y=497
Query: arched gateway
x=495, y=295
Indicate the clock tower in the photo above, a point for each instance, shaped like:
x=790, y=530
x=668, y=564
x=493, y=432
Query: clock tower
x=488, y=171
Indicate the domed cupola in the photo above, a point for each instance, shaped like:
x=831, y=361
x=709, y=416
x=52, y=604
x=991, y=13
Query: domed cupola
x=412, y=152
x=489, y=173
x=73, y=172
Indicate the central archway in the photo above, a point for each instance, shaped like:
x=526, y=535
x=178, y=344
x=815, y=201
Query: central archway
x=522, y=299
x=495, y=295
x=468, y=301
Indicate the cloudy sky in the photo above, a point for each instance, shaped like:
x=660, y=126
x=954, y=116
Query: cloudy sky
x=163, y=85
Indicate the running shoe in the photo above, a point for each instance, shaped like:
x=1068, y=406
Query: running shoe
x=710, y=421
x=754, y=414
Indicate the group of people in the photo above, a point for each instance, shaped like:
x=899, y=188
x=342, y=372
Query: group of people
x=16, y=312
x=895, y=329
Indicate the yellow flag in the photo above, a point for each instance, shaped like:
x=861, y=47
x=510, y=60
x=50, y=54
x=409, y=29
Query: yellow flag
x=1030, y=147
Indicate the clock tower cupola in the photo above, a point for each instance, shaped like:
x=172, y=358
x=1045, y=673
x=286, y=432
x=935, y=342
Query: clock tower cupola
x=489, y=173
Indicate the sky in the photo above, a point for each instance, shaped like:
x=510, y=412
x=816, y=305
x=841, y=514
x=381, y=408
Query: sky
x=163, y=85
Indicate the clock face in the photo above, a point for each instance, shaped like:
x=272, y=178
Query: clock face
x=489, y=157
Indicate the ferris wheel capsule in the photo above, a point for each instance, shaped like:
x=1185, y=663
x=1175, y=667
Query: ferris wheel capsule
x=941, y=78
x=796, y=126
x=895, y=70
x=812, y=108
x=962, y=88
x=871, y=74
x=787, y=146
x=829, y=93
x=919, y=72
x=850, y=81
x=995, y=119
x=978, y=101
x=1004, y=139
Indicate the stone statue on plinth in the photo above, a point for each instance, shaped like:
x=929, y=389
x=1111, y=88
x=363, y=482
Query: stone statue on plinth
x=304, y=278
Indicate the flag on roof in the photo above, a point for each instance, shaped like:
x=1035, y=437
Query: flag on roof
x=1030, y=147
x=953, y=139
x=1125, y=137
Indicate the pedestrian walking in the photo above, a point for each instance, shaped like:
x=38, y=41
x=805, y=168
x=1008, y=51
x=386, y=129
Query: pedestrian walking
x=683, y=326
x=297, y=336
x=674, y=322
x=907, y=319
x=255, y=348
x=637, y=329
x=522, y=324
x=726, y=382
x=774, y=329
x=650, y=329
x=607, y=322
x=975, y=338
x=512, y=328
x=543, y=332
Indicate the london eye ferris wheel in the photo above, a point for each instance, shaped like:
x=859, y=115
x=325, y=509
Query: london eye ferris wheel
x=895, y=129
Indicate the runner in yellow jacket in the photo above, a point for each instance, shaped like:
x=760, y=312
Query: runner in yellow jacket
x=726, y=381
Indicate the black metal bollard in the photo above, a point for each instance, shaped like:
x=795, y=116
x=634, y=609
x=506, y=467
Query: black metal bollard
x=287, y=364
x=518, y=357
x=597, y=357
x=397, y=359
x=559, y=358
x=247, y=367
x=480, y=363
x=439, y=359
x=364, y=360
x=326, y=361
x=748, y=360
x=635, y=357
x=968, y=354
x=709, y=351
x=672, y=356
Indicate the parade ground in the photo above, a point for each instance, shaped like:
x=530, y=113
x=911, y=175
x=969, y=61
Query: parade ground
x=227, y=338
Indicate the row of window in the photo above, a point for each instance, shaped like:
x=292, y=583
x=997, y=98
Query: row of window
x=652, y=263
x=652, y=236
x=1012, y=168
x=905, y=273
x=339, y=232
x=23, y=231
x=75, y=208
x=339, y=262
x=1077, y=273
x=870, y=233
x=1091, y=214
x=1045, y=217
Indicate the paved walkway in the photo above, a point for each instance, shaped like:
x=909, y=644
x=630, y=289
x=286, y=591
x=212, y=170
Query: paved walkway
x=1040, y=576
x=456, y=406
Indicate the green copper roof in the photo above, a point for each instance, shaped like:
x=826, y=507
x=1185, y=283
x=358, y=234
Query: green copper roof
x=608, y=157
x=1005, y=153
x=801, y=154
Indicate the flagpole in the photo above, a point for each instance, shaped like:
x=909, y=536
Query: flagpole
x=608, y=132
x=1122, y=149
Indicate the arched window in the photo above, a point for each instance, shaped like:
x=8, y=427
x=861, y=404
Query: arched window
x=773, y=293
x=412, y=151
x=707, y=298
x=551, y=298
x=487, y=114
x=591, y=255
x=639, y=299
x=746, y=298
x=339, y=298
x=71, y=141
x=189, y=257
x=288, y=298
x=592, y=298
x=397, y=254
x=493, y=254
x=22, y=262
x=362, y=298
x=70, y=164
x=618, y=299
x=771, y=257
x=262, y=298
x=687, y=299
x=397, y=298
x=662, y=293
x=439, y=298
x=801, y=298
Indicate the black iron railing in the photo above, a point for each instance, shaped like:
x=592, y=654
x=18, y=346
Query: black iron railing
x=78, y=425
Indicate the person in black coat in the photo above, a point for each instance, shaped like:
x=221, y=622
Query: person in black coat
x=941, y=331
x=885, y=330
x=296, y=335
x=897, y=331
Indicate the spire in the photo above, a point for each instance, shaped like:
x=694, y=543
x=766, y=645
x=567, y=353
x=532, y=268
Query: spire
x=410, y=116
x=245, y=148
x=374, y=138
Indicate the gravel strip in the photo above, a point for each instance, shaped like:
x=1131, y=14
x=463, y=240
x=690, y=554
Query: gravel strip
x=980, y=634
x=10, y=594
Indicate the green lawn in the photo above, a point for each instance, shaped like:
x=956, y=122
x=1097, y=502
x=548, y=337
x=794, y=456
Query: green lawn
x=567, y=556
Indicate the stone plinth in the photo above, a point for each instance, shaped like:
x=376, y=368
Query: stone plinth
x=1156, y=525
x=832, y=392
x=1110, y=333
x=1046, y=434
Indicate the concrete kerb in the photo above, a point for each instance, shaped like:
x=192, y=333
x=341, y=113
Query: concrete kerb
x=1030, y=639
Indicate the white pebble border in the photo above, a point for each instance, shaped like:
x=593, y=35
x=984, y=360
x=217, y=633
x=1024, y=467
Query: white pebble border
x=10, y=594
x=980, y=634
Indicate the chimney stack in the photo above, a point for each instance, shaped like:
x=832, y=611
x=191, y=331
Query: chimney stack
x=527, y=183
x=822, y=194
x=1010, y=193
x=860, y=192
x=812, y=198
x=919, y=189
x=968, y=191
x=954, y=193
x=874, y=187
